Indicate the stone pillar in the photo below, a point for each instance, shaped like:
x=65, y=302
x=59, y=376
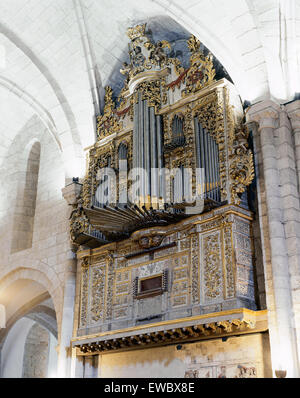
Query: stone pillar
x=70, y=193
x=278, y=286
x=293, y=219
x=77, y=366
x=65, y=353
x=258, y=237
x=293, y=110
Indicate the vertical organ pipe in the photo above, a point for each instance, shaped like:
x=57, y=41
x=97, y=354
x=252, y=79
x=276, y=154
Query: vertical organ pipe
x=202, y=159
x=210, y=158
x=207, y=154
x=154, y=153
x=135, y=136
x=141, y=145
x=206, y=161
x=146, y=151
x=214, y=171
x=160, y=164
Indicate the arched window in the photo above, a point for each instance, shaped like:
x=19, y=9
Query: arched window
x=26, y=202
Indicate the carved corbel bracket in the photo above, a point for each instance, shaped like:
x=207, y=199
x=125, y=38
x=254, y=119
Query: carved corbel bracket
x=72, y=193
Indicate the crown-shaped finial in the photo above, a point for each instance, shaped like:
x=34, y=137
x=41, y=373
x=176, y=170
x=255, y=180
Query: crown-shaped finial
x=137, y=31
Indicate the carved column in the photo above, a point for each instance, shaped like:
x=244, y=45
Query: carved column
x=275, y=251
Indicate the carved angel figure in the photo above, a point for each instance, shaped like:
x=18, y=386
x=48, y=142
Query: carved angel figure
x=157, y=53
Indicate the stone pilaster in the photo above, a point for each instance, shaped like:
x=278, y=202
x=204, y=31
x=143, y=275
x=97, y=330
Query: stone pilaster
x=292, y=221
x=293, y=110
x=276, y=263
x=70, y=193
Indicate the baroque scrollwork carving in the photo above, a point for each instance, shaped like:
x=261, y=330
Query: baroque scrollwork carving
x=241, y=165
x=84, y=296
x=228, y=260
x=110, y=284
x=194, y=244
x=108, y=123
x=98, y=158
x=212, y=262
x=201, y=71
x=97, y=293
x=151, y=92
x=79, y=223
x=157, y=55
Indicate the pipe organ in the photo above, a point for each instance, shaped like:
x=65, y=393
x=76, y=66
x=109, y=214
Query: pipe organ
x=161, y=233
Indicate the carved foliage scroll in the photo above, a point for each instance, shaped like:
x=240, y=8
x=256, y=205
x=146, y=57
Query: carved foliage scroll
x=229, y=260
x=201, y=71
x=241, y=165
x=84, y=292
x=97, y=292
x=108, y=123
x=195, y=267
x=212, y=266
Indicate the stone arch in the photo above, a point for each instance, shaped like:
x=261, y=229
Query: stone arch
x=37, y=107
x=23, y=223
x=50, y=286
x=36, y=301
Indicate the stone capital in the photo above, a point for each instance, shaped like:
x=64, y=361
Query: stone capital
x=265, y=114
x=293, y=111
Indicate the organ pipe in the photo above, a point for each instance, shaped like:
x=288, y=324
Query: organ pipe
x=207, y=159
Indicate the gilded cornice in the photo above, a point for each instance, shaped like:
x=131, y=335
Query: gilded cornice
x=201, y=327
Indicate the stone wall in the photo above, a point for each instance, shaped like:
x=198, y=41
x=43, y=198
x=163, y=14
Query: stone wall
x=240, y=357
x=47, y=258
